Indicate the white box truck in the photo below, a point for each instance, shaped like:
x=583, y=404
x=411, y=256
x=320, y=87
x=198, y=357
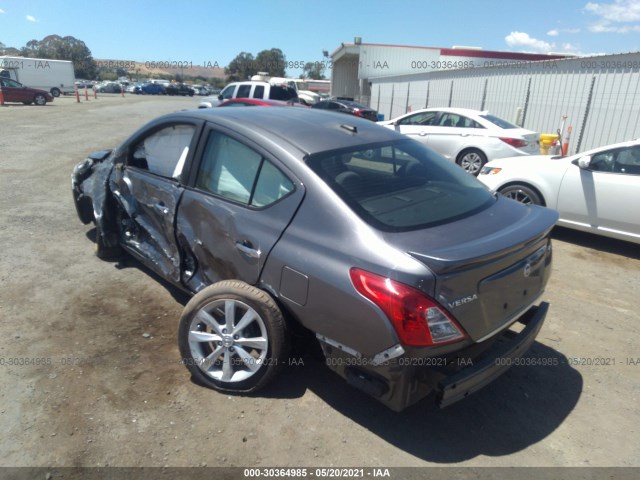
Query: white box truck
x=54, y=76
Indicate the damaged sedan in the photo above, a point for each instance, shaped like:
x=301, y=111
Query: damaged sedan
x=412, y=276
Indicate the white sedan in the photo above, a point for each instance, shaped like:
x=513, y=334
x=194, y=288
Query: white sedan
x=468, y=137
x=595, y=191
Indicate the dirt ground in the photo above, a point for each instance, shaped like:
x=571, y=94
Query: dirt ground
x=90, y=373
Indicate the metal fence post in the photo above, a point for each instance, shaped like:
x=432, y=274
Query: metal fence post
x=484, y=94
x=586, y=114
x=526, y=103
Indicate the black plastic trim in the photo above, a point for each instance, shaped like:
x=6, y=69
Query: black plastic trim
x=468, y=380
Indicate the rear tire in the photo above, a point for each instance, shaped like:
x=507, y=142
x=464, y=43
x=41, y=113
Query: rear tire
x=472, y=161
x=522, y=194
x=55, y=92
x=233, y=337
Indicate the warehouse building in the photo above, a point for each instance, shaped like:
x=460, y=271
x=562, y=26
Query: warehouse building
x=595, y=98
x=355, y=65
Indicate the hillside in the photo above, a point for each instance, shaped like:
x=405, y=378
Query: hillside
x=164, y=69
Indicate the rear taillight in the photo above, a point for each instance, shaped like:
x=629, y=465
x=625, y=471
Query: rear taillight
x=359, y=113
x=418, y=319
x=515, y=142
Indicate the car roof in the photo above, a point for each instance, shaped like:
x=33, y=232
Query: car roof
x=308, y=130
x=457, y=110
x=257, y=101
x=248, y=82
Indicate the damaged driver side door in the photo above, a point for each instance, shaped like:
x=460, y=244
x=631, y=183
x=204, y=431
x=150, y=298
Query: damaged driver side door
x=148, y=187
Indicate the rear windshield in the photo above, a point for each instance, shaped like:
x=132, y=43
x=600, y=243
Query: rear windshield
x=498, y=121
x=401, y=186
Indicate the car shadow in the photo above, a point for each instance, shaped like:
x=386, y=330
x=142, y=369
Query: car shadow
x=22, y=105
x=597, y=242
x=517, y=410
x=127, y=261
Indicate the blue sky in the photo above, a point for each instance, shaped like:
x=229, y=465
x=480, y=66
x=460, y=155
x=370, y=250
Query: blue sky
x=215, y=31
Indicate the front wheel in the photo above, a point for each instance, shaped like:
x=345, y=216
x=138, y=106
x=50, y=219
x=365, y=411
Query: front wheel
x=233, y=337
x=40, y=99
x=472, y=161
x=522, y=194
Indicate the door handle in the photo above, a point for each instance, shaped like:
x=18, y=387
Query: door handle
x=422, y=134
x=247, y=248
x=161, y=207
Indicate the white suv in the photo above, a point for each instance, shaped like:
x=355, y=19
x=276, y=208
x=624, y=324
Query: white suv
x=252, y=89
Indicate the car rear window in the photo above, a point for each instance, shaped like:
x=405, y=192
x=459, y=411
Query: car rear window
x=351, y=104
x=401, y=186
x=498, y=121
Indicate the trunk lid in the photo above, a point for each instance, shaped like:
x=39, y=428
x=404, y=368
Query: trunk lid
x=533, y=141
x=489, y=267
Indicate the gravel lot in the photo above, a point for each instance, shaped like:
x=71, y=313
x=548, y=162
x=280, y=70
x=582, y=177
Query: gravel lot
x=90, y=373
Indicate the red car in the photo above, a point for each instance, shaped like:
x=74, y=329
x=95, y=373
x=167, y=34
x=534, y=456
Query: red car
x=258, y=102
x=16, y=92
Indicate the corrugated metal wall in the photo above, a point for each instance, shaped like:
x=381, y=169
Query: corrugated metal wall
x=344, y=77
x=599, y=95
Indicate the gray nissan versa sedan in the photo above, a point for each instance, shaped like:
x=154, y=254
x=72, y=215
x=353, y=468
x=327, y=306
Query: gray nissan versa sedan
x=412, y=276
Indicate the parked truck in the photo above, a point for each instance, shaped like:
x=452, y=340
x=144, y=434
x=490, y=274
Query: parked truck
x=300, y=85
x=54, y=76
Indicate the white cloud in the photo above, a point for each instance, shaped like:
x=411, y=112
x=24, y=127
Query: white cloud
x=1, y=11
x=31, y=18
x=615, y=17
x=532, y=45
x=606, y=27
x=557, y=31
x=618, y=11
x=522, y=39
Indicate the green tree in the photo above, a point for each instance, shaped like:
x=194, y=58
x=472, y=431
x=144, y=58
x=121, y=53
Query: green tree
x=272, y=61
x=70, y=48
x=242, y=67
x=314, y=71
x=105, y=74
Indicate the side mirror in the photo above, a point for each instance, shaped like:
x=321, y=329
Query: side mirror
x=220, y=97
x=584, y=162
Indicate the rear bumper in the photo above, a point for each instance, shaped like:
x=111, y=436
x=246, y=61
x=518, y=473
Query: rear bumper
x=452, y=376
x=495, y=362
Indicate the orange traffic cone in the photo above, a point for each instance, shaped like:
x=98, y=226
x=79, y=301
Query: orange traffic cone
x=1, y=97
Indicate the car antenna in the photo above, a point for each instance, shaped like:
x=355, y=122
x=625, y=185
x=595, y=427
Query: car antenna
x=351, y=128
